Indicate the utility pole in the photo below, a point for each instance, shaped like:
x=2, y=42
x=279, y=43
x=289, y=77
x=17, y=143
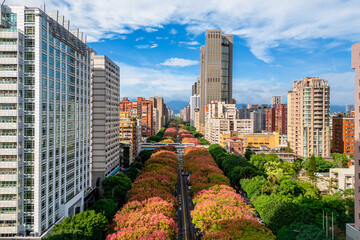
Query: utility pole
x=327, y=232
x=332, y=226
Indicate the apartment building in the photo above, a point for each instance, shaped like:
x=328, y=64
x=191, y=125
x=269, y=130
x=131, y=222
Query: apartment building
x=256, y=113
x=160, y=109
x=197, y=119
x=308, y=117
x=342, y=178
x=353, y=229
x=275, y=100
x=276, y=119
x=343, y=135
x=105, y=95
x=194, y=103
x=221, y=117
x=45, y=87
x=130, y=132
x=141, y=108
x=216, y=60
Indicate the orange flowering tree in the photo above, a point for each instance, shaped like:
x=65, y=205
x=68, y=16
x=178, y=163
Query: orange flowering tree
x=150, y=211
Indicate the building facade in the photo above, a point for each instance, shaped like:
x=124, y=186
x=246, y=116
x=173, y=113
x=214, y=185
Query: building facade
x=308, y=118
x=216, y=60
x=130, y=132
x=276, y=119
x=194, y=103
x=141, y=108
x=45, y=87
x=257, y=140
x=343, y=135
x=160, y=108
x=353, y=230
x=105, y=96
x=275, y=100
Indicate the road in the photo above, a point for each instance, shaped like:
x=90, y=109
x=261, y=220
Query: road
x=186, y=228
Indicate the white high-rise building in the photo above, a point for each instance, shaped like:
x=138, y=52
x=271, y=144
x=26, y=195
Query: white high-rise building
x=194, y=103
x=44, y=120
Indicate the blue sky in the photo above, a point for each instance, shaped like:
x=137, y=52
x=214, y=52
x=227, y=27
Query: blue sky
x=156, y=42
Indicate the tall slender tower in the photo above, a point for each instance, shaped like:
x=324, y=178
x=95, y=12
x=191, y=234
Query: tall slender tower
x=215, y=69
x=308, y=126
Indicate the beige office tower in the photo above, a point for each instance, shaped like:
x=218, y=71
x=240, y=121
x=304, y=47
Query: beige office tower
x=216, y=69
x=105, y=98
x=159, y=105
x=308, y=117
x=353, y=230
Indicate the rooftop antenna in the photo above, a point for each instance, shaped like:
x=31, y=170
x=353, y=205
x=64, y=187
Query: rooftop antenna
x=3, y=2
x=44, y=7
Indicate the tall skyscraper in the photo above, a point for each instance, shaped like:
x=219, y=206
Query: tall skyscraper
x=308, y=119
x=44, y=120
x=353, y=231
x=105, y=95
x=275, y=100
x=216, y=59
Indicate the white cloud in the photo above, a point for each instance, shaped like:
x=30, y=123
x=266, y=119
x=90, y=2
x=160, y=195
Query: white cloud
x=159, y=38
x=179, y=62
x=263, y=24
x=139, y=38
x=192, y=43
x=148, y=29
x=173, y=31
x=154, y=45
x=341, y=87
x=147, y=82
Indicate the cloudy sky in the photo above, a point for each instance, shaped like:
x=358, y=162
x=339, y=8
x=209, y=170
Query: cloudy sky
x=156, y=42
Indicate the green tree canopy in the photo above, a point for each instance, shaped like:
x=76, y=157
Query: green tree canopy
x=105, y=206
x=118, y=184
x=92, y=224
x=340, y=160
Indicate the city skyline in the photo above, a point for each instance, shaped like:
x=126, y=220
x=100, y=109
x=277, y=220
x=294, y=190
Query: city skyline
x=160, y=43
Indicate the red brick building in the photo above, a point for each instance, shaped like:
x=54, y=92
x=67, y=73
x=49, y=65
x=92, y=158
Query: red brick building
x=141, y=108
x=234, y=145
x=276, y=119
x=343, y=139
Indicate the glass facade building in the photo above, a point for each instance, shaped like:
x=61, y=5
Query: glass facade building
x=44, y=120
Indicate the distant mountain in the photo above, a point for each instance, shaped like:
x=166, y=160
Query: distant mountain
x=337, y=108
x=333, y=108
x=176, y=106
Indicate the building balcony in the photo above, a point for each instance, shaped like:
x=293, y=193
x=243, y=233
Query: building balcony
x=8, y=125
x=8, y=190
x=8, y=59
x=8, y=216
x=8, y=47
x=8, y=177
x=9, y=99
x=8, y=229
x=10, y=203
x=8, y=73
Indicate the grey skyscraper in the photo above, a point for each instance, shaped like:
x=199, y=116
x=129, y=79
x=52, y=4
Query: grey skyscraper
x=216, y=59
